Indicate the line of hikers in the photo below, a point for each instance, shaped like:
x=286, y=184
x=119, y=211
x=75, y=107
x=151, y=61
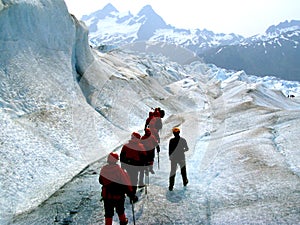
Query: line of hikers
x=137, y=158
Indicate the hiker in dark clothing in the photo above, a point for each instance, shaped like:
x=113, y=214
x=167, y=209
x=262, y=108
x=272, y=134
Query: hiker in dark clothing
x=177, y=148
x=115, y=184
x=133, y=158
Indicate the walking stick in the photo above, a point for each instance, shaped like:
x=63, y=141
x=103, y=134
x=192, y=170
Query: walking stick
x=147, y=180
x=132, y=208
x=158, y=150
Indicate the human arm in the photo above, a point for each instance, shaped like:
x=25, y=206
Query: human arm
x=185, y=145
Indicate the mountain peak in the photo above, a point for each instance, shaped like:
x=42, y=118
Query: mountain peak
x=151, y=22
x=102, y=13
x=109, y=8
x=146, y=10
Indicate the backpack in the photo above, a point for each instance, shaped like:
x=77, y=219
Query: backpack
x=162, y=113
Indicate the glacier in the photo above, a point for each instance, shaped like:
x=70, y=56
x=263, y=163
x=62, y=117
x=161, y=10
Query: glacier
x=64, y=106
x=43, y=52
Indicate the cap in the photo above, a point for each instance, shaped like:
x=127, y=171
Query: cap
x=113, y=157
x=135, y=135
x=176, y=129
x=147, y=131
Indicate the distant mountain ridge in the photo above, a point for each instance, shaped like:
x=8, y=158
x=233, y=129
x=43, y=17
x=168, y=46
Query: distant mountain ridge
x=110, y=27
x=284, y=27
x=273, y=53
x=276, y=53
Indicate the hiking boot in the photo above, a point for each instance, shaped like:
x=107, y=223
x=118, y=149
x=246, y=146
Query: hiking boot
x=170, y=188
x=124, y=222
x=123, y=219
x=151, y=171
x=141, y=185
x=108, y=221
x=185, y=182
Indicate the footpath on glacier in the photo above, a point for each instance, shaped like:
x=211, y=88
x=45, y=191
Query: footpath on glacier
x=241, y=171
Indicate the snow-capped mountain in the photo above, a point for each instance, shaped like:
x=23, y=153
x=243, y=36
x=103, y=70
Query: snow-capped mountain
x=273, y=53
x=64, y=105
x=110, y=27
x=283, y=27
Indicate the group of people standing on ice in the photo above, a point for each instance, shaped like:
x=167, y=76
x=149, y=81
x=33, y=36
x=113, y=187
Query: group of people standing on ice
x=137, y=159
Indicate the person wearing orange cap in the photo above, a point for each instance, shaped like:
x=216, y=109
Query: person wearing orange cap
x=115, y=184
x=177, y=148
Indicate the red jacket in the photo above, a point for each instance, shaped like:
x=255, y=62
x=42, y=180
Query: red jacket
x=133, y=153
x=115, y=182
x=150, y=142
x=155, y=126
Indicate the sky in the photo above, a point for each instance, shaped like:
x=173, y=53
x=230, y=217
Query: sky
x=244, y=17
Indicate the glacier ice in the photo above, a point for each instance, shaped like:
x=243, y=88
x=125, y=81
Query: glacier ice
x=63, y=106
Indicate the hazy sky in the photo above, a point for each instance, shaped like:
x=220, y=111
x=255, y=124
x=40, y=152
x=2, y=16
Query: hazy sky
x=244, y=17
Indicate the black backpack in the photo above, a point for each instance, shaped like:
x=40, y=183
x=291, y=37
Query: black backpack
x=162, y=113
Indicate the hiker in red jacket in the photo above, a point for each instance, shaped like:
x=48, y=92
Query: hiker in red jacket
x=133, y=158
x=150, y=117
x=150, y=142
x=115, y=184
x=154, y=122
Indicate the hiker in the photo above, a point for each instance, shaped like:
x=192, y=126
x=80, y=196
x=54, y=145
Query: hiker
x=150, y=117
x=115, y=184
x=177, y=148
x=155, y=124
x=133, y=158
x=149, y=142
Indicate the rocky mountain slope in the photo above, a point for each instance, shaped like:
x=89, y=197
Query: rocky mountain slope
x=276, y=53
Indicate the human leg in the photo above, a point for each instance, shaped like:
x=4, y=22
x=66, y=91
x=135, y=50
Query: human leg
x=108, y=211
x=108, y=220
x=151, y=160
x=133, y=175
x=172, y=174
x=141, y=177
x=120, y=209
x=182, y=164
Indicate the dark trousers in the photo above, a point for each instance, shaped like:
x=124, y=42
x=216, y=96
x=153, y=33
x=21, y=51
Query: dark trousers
x=111, y=204
x=141, y=176
x=174, y=164
x=133, y=172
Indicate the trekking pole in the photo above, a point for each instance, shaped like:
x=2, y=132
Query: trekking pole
x=148, y=182
x=132, y=208
x=146, y=179
x=158, y=160
x=158, y=150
